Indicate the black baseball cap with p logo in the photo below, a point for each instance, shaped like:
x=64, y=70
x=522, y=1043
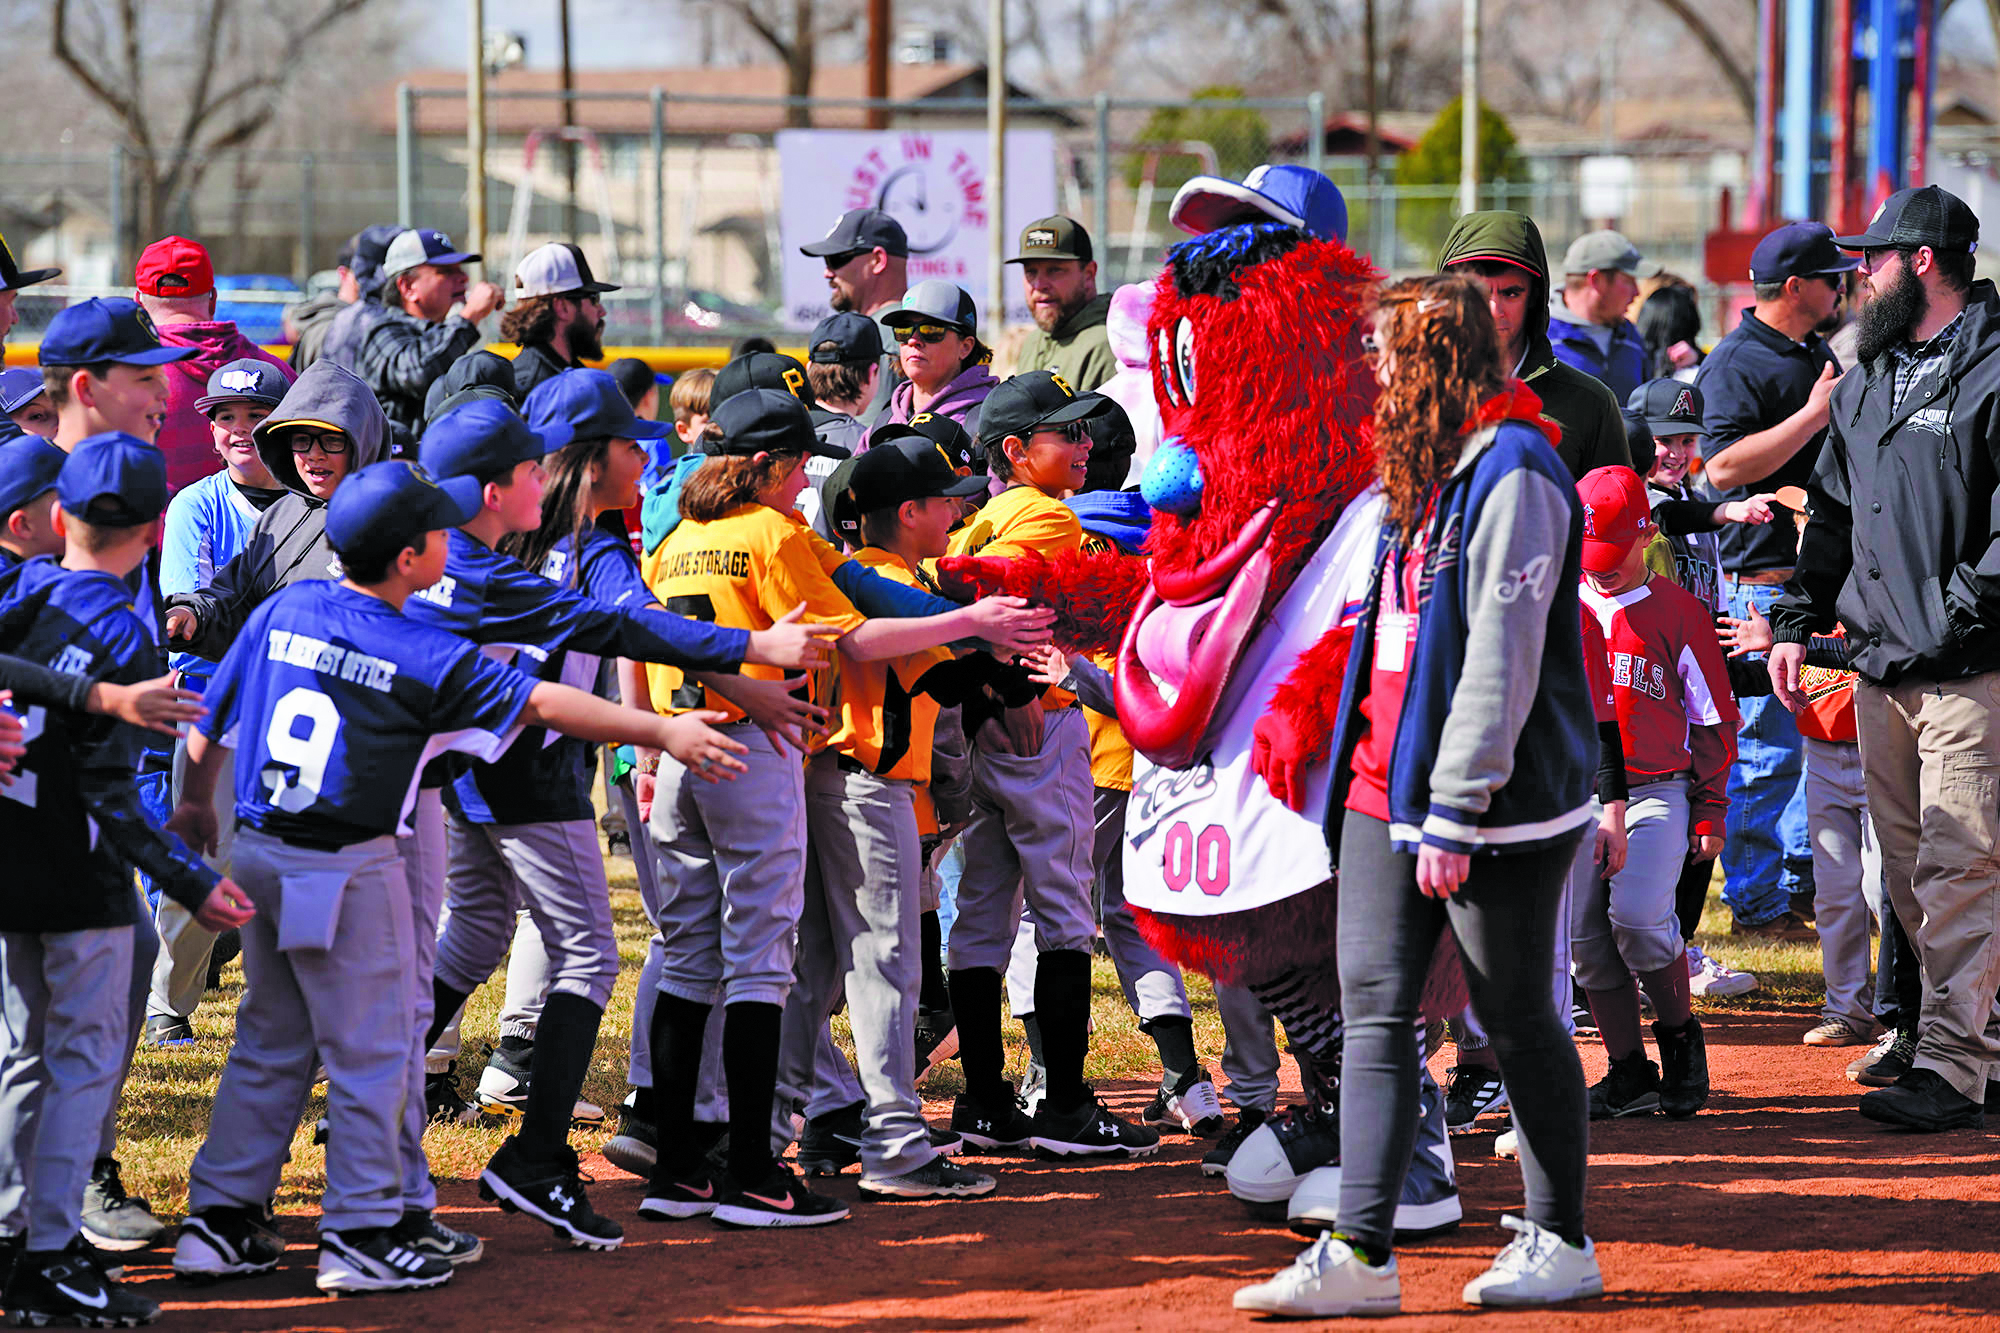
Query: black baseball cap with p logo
x=1055, y=237
x=762, y=370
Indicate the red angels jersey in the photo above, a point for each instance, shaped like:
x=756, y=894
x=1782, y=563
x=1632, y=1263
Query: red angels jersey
x=1675, y=711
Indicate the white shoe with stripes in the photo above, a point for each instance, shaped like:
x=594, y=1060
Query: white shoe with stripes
x=375, y=1259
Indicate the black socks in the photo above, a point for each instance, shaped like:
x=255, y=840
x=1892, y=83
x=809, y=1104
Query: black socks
x=975, y=1003
x=933, y=996
x=1174, y=1036
x=1062, y=1004
x=565, y=1039
x=445, y=1004
x=750, y=1065
x=676, y=1041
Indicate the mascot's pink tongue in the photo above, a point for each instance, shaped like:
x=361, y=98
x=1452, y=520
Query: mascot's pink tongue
x=1168, y=637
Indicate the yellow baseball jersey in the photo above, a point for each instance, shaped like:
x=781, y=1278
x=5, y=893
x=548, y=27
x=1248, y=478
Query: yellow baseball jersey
x=746, y=569
x=1018, y=520
x=882, y=724
x=1110, y=752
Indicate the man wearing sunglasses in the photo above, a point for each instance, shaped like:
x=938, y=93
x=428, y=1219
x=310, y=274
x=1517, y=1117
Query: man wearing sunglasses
x=327, y=428
x=867, y=261
x=1765, y=389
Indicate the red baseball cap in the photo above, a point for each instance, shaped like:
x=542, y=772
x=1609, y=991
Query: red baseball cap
x=175, y=266
x=1615, y=515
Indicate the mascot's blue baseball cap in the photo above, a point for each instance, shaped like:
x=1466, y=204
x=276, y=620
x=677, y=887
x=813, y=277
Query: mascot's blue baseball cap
x=1296, y=196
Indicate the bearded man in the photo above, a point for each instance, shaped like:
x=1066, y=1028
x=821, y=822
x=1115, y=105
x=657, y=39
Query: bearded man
x=1060, y=280
x=558, y=321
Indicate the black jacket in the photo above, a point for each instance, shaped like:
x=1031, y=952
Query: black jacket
x=1903, y=546
x=537, y=362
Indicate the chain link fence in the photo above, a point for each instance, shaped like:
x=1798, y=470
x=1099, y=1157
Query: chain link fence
x=677, y=198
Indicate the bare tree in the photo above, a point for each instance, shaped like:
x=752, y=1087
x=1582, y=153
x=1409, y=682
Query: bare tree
x=177, y=87
x=792, y=29
x=1737, y=70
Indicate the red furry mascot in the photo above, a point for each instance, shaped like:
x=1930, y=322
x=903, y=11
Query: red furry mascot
x=1231, y=639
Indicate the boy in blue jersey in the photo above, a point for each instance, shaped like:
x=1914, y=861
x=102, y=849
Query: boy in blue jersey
x=28, y=470
x=495, y=601
x=73, y=826
x=335, y=700
x=207, y=524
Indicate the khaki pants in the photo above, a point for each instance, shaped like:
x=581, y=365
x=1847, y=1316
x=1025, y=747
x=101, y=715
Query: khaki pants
x=1931, y=752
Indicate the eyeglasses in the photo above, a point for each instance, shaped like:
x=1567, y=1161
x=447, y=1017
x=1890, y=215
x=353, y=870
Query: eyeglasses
x=1873, y=257
x=330, y=442
x=1072, y=431
x=1371, y=348
x=929, y=334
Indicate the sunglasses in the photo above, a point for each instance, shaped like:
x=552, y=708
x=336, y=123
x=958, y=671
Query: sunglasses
x=844, y=259
x=330, y=442
x=928, y=334
x=1072, y=431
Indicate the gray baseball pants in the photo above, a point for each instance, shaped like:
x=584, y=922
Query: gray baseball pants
x=1153, y=986
x=730, y=857
x=1847, y=876
x=556, y=871
x=1249, y=1050
x=423, y=854
x=145, y=950
x=63, y=1012
x=1027, y=843
x=180, y=975
x=1626, y=924
x=521, y=1006
x=329, y=956
x=859, y=931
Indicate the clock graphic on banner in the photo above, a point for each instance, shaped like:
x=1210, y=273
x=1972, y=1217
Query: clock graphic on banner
x=933, y=192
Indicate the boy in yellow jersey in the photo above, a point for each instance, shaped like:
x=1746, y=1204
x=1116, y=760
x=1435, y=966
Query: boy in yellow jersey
x=1030, y=835
x=859, y=931
x=731, y=873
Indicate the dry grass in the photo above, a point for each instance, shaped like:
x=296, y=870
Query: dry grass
x=165, y=1110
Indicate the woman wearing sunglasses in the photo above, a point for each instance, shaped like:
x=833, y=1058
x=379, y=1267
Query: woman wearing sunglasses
x=944, y=363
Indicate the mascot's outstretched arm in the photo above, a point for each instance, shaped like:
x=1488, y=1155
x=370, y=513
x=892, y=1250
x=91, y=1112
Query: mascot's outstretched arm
x=1293, y=735
x=1094, y=595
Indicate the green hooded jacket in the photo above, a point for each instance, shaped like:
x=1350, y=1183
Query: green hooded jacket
x=1593, y=431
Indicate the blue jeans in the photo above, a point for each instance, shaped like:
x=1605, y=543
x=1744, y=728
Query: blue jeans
x=1768, y=855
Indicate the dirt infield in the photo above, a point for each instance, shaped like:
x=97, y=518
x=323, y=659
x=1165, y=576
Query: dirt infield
x=1777, y=1208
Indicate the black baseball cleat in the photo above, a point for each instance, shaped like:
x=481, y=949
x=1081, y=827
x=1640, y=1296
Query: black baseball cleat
x=673, y=1198
x=444, y=1104
x=1683, y=1069
x=168, y=1030
x=1001, y=1127
x=779, y=1200
x=218, y=1243
x=635, y=1148
x=1631, y=1086
x=832, y=1142
x=938, y=1178
x=65, y=1289
x=551, y=1192
x=422, y=1232
x=1215, y=1162
x=1089, y=1129
x=1924, y=1100
x=1189, y=1107
x=365, y=1259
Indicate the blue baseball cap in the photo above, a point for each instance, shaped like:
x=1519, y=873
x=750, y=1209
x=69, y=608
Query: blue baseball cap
x=587, y=405
x=106, y=328
x=114, y=480
x=29, y=467
x=481, y=439
x=1799, y=250
x=247, y=380
x=385, y=505
x=421, y=245
x=1294, y=195
x=19, y=386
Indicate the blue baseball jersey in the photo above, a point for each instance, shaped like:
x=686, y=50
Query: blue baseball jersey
x=334, y=702
x=71, y=822
x=545, y=776
x=207, y=524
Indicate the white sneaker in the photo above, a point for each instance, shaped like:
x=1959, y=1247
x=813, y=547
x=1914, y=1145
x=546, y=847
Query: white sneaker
x=1712, y=977
x=1507, y=1144
x=1537, y=1268
x=1327, y=1280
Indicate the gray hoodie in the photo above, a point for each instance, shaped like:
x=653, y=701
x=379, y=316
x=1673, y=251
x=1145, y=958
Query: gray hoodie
x=288, y=544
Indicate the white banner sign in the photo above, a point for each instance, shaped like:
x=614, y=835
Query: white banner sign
x=934, y=182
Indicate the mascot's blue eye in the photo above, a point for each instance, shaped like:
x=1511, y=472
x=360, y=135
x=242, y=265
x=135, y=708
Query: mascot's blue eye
x=1172, y=479
x=1184, y=357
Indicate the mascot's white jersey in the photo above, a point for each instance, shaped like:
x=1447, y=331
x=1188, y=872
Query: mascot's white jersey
x=1210, y=839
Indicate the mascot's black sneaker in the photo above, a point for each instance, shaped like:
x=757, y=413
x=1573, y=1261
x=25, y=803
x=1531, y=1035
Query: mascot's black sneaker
x=1002, y=1126
x=1216, y=1161
x=1281, y=1152
x=1089, y=1129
